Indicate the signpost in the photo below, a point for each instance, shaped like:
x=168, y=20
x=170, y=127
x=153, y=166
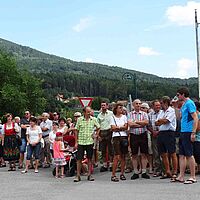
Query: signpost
x=85, y=101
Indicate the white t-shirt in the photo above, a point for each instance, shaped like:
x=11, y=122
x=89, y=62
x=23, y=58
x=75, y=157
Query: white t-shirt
x=62, y=130
x=33, y=133
x=119, y=122
x=52, y=137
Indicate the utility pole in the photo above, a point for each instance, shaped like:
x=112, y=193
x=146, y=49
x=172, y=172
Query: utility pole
x=197, y=49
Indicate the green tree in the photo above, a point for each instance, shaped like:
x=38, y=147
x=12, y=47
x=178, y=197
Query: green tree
x=19, y=90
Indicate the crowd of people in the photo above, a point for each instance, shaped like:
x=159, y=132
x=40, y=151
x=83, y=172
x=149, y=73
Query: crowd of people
x=159, y=139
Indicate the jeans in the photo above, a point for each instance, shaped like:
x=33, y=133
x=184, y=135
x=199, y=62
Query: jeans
x=23, y=146
x=33, y=149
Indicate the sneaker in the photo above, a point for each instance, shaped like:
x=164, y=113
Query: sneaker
x=90, y=178
x=77, y=179
x=145, y=175
x=24, y=171
x=135, y=176
x=103, y=169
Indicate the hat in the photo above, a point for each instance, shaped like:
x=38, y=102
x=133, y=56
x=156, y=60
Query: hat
x=59, y=134
x=55, y=113
x=145, y=105
x=77, y=114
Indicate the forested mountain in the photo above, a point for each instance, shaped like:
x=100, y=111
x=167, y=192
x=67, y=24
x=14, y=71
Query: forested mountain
x=61, y=75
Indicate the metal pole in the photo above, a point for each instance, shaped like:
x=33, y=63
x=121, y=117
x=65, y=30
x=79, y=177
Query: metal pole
x=197, y=49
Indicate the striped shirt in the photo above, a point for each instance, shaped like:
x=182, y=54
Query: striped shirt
x=137, y=116
x=86, y=130
x=152, y=118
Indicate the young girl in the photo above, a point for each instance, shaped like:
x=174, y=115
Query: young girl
x=59, y=159
x=52, y=136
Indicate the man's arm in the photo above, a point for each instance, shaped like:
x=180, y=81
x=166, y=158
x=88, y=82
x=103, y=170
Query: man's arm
x=195, y=125
x=160, y=122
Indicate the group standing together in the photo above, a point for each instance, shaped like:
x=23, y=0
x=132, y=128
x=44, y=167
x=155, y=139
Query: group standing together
x=161, y=138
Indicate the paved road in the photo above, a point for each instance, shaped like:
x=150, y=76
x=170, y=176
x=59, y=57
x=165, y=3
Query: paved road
x=31, y=186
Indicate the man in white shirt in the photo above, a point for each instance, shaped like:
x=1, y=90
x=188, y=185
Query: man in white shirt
x=46, y=126
x=166, y=121
x=104, y=119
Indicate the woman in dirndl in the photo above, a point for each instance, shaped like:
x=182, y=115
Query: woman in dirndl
x=10, y=142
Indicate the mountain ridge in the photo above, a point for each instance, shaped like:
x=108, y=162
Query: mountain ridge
x=25, y=55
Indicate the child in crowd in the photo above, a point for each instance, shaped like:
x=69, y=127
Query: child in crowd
x=52, y=136
x=59, y=159
x=84, y=168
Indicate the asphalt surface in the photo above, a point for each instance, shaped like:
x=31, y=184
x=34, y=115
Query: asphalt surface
x=31, y=186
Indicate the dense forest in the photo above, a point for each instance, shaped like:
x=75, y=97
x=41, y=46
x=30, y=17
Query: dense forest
x=70, y=78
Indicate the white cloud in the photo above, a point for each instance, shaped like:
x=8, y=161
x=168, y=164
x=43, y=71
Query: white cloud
x=184, y=66
x=147, y=51
x=89, y=60
x=183, y=15
x=83, y=24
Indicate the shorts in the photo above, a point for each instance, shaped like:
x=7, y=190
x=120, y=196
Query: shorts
x=185, y=144
x=139, y=142
x=33, y=149
x=22, y=148
x=82, y=149
x=196, y=150
x=116, y=144
x=166, y=142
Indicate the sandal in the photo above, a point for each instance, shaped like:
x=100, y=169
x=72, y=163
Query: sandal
x=174, y=176
x=176, y=180
x=114, y=179
x=3, y=165
x=165, y=176
x=122, y=177
x=190, y=181
x=90, y=178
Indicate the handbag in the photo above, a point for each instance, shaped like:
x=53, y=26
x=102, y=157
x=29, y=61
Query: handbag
x=19, y=140
x=123, y=142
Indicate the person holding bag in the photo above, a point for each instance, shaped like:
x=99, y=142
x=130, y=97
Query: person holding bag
x=119, y=126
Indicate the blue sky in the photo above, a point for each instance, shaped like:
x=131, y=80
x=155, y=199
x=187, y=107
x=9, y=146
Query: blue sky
x=152, y=36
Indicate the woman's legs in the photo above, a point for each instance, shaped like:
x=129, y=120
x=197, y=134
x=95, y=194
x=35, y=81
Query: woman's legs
x=115, y=162
x=36, y=164
x=29, y=155
x=122, y=163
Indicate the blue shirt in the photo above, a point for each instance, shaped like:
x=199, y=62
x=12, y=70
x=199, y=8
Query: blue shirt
x=186, y=118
